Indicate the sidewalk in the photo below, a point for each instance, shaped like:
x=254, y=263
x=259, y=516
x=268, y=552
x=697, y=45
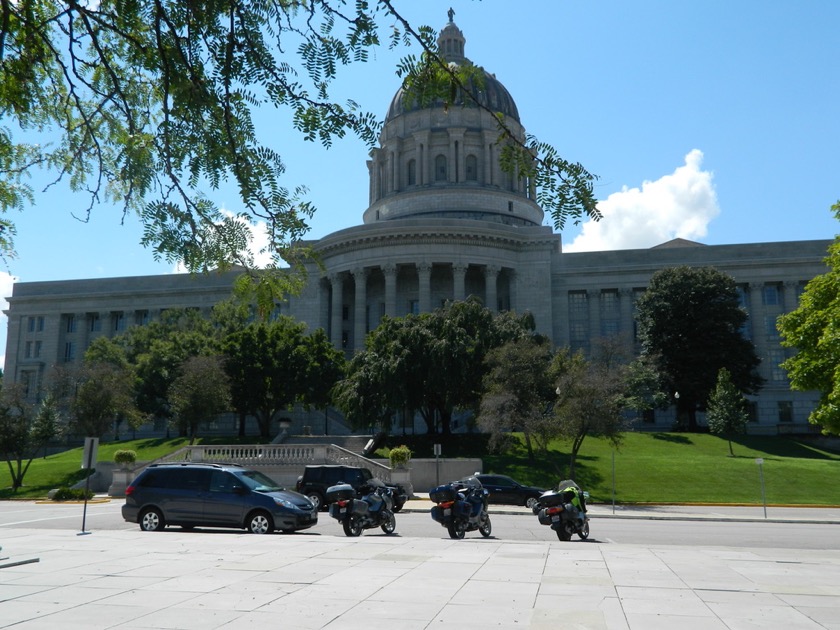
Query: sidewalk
x=133, y=580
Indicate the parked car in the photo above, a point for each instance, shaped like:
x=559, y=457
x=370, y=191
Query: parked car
x=504, y=489
x=317, y=478
x=214, y=495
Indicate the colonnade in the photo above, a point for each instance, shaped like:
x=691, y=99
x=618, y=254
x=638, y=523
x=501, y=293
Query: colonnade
x=398, y=289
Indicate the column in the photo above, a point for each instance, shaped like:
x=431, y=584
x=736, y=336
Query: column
x=337, y=283
x=757, y=314
x=360, y=314
x=459, y=273
x=491, y=275
x=594, y=303
x=424, y=283
x=625, y=305
x=488, y=158
x=390, y=272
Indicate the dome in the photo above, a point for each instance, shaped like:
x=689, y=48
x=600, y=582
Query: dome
x=492, y=94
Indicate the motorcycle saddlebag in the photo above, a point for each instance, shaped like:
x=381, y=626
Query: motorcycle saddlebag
x=342, y=491
x=463, y=509
x=437, y=514
x=545, y=519
x=360, y=507
x=443, y=493
x=334, y=510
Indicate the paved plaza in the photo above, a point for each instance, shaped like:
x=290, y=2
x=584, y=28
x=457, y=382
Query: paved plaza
x=129, y=579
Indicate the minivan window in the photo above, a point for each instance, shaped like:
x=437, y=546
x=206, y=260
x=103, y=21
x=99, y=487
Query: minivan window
x=195, y=479
x=256, y=480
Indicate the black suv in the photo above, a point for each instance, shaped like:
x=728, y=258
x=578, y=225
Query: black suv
x=317, y=478
x=214, y=495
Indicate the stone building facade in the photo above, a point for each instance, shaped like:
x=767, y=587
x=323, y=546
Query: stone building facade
x=445, y=222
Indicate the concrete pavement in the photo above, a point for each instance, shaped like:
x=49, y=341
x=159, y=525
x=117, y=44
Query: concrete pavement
x=129, y=579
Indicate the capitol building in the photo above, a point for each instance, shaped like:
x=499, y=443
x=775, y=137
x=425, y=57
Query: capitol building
x=445, y=222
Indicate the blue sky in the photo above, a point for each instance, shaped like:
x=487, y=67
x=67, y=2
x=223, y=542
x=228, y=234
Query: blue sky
x=714, y=121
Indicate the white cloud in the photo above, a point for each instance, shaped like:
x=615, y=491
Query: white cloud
x=6, y=282
x=679, y=205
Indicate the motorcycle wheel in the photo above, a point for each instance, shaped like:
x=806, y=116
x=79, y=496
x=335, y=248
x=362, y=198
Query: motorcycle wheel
x=352, y=527
x=584, y=531
x=390, y=523
x=564, y=534
x=456, y=530
x=485, y=528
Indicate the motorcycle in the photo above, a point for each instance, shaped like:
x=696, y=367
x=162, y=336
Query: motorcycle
x=555, y=508
x=461, y=507
x=370, y=507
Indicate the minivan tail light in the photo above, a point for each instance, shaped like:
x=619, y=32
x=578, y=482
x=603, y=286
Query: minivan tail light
x=129, y=490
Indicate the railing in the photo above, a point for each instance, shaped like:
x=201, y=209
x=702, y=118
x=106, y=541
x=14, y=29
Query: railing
x=276, y=454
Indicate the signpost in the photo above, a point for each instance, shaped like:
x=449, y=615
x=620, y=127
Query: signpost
x=88, y=459
x=760, y=461
x=437, y=464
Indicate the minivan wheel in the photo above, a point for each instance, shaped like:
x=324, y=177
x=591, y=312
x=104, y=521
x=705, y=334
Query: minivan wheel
x=260, y=523
x=151, y=520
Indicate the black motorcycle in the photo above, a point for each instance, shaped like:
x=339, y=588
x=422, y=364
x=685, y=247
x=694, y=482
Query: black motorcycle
x=369, y=507
x=461, y=507
x=556, y=508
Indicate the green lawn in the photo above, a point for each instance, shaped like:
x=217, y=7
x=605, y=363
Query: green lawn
x=649, y=467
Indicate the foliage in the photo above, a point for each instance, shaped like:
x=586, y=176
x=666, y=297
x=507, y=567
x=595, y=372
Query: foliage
x=727, y=409
x=690, y=323
x=199, y=393
x=432, y=363
x=273, y=365
x=25, y=429
x=72, y=494
x=590, y=398
x=518, y=390
x=399, y=456
x=125, y=457
x=814, y=330
x=152, y=106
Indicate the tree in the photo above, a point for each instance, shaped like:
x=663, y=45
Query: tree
x=24, y=429
x=267, y=364
x=199, y=393
x=727, y=409
x=152, y=106
x=101, y=395
x=591, y=396
x=518, y=390
x=432, y=363
x=690, y=323
x=812, y=329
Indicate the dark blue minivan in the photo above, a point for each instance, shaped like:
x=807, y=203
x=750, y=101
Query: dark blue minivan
x=214, y=495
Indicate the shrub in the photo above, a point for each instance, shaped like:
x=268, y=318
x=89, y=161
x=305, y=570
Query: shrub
x=125, y=457
x=72, y=494
x=399, y=456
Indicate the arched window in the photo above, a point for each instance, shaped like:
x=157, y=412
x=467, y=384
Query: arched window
x=412, y=173
x=472, y=168
x=440, y=168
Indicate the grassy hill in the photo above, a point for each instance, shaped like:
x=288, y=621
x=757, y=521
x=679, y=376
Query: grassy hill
x=649, y=467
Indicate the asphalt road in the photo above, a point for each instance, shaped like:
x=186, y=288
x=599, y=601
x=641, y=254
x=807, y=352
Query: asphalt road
x=509, y=527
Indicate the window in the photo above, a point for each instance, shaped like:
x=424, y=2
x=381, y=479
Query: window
x=345, y=312
x=414, y=307
x=440, y=168
x=35, y=324
x=770, y=327
x=94, y=322
x=785, y=411
x=412, y=173
x=752, y=410
x=70, y=323
x=472, y=168
x=648, y=416
x=141, y=318
x=27, y=383
x=609, y=303
x=345, y=338
x=771, y=295
x=578, y=308
x=70, y=351
x=775, y=357
x=37, y=351
x=118, y=318
x=28, y=352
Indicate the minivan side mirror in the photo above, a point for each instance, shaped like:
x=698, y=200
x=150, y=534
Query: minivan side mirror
x=239, y=489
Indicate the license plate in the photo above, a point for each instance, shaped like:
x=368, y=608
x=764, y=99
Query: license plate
x=447, y=511
x=343, y=510
x=555, y=518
